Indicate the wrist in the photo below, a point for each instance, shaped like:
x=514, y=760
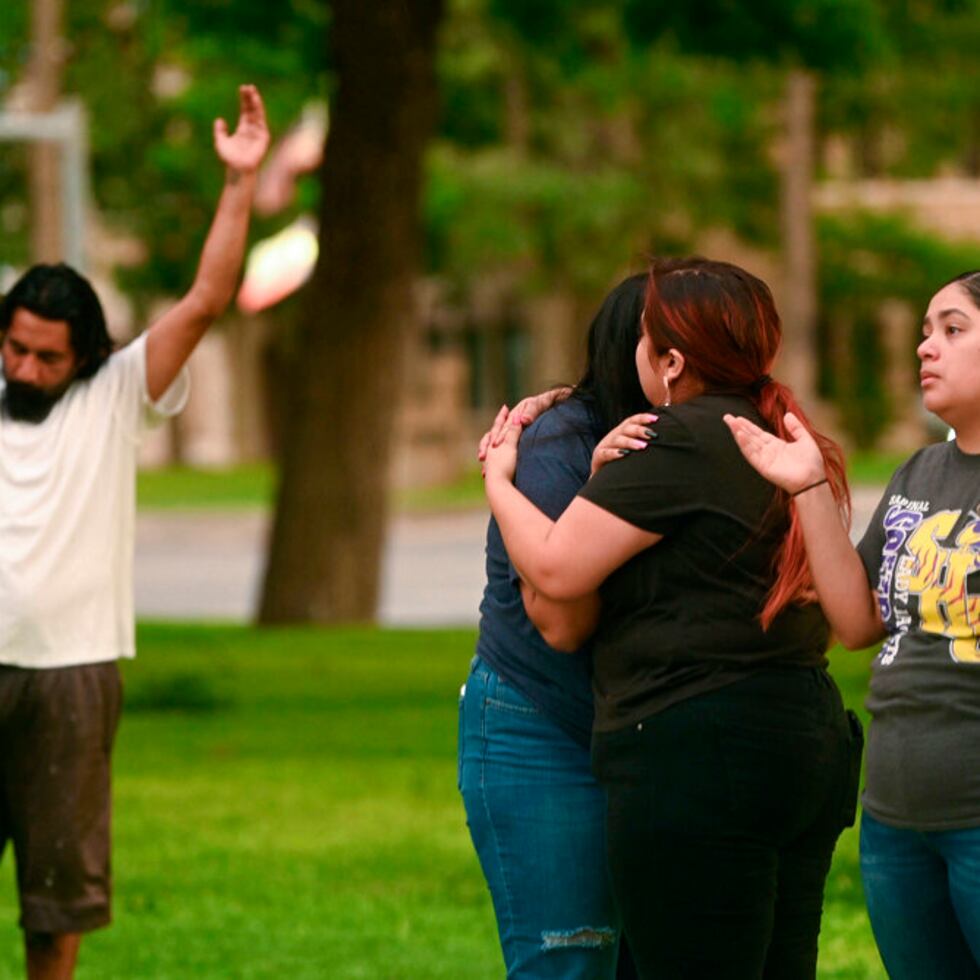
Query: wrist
x=497, y=478
x=236, y=176
x=809, y=485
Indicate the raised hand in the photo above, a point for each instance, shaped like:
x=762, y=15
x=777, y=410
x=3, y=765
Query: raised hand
x=243, y=149
x=630, y=436
x=792, y=464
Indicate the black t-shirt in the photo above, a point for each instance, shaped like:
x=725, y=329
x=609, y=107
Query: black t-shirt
x=682, y=617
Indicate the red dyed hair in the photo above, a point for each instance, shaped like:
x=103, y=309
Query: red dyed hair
x=724, y=321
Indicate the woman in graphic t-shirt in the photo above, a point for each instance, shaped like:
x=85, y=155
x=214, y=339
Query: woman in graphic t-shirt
x=719, y=736
x=920, y=831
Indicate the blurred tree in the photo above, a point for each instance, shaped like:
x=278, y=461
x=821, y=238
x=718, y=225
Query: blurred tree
x=574, y=136
x=153, y=77
x=325, y=555
x=915, y=112
x=867, y=261
x=592, y=151
x=643, y=125
x=804, y=37
x=44, y=76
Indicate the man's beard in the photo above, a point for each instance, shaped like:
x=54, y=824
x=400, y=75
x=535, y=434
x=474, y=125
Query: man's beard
x=24, y=402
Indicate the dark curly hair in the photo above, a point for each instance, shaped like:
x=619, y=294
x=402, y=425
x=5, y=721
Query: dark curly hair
x=58, y=292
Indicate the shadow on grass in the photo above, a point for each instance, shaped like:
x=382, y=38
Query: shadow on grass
x=181, y=692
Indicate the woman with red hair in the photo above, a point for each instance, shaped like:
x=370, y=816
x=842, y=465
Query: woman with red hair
x=729, y=762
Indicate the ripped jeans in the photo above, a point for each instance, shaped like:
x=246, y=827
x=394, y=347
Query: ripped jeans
x=537, y=818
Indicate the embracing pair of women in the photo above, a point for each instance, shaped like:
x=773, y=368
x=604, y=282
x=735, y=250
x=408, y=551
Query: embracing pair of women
x=708, y=565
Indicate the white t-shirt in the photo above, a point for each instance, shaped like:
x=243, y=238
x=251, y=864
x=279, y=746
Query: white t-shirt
x=67, y=517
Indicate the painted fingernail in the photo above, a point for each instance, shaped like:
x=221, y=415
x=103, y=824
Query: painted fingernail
x=624, y=452
x=650, y=434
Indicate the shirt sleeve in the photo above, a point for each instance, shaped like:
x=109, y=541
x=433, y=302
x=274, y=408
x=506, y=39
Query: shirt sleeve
x=655, y=488
x=122, y=380
x=128, y=366
x=872, y=542
x=171, y=402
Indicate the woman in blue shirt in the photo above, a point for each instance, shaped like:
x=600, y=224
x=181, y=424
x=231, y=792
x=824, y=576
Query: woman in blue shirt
x=535, y=811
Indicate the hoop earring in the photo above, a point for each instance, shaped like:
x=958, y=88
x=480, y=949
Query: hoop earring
x=667, y=390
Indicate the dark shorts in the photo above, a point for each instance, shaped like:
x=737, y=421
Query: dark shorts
x=56, y=729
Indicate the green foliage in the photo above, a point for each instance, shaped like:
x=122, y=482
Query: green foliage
x=917, y=111
x=312, y=827
x=575, y=137
x=495, y=210
x=153, y=77
x=580, y=165
x=873, y=257
x=867, y=259
x=14, y=229
x=214, y=47
x=14, y=54
x=873, y=468
x=820, y=34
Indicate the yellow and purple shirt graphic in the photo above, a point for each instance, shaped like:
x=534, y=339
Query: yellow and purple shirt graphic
x=929, y=577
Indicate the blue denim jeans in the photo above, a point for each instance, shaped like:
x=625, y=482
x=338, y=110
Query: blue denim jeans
x=923, y=895
x=537, y=818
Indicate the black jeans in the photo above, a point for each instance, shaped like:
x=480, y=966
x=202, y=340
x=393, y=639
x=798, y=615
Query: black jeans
x=723, y=814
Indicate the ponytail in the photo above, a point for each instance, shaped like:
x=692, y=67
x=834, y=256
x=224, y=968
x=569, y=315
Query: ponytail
x=725, y=322
x=793, y=581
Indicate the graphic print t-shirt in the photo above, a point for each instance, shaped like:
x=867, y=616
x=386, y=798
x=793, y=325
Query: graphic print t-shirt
x=922, y=556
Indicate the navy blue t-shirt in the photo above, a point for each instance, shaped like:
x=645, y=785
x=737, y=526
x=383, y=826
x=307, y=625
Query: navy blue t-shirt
x=553, y=463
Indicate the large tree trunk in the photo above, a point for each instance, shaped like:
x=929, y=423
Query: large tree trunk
x=798, y=361
x=44, y=72
x=325, y=554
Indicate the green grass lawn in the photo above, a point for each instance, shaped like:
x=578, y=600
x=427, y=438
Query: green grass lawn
x=253, y=485
x=286, y=807
x=247, y=486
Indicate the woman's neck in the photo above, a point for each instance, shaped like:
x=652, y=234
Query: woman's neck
x=968, y=440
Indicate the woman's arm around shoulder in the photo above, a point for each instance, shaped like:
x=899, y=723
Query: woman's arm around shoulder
x=563, y=559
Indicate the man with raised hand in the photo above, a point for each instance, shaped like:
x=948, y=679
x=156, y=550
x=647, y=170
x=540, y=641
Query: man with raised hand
x=71, y=413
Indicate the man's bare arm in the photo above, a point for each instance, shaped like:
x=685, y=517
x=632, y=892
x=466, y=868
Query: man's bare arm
x=174, y=336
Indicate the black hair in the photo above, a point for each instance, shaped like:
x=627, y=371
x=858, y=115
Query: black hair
x=970, y=281
x=58, y=292
x=610, y=381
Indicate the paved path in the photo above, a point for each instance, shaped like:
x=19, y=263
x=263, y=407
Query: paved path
x=208, y=565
